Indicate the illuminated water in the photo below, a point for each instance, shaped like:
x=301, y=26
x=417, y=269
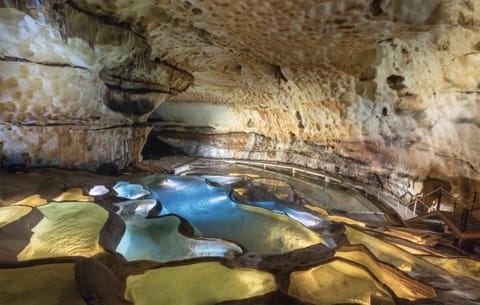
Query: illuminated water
x=130, y=191
x=159, y=239
x=305, y=218
x=211, y=211
x=385, y=263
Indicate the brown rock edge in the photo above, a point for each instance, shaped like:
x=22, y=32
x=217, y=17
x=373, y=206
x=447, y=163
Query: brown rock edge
x=15, y=236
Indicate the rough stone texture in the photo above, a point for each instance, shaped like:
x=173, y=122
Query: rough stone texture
x=76, y=88
x=73, y=146
x=367, y=86
x=355, y=86
x=101, y=279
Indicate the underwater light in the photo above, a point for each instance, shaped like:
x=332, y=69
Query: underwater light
x=201, y=283
x=130, y=191
x=133, y=209
x=306, y=219
x=79, y=223
x=170, y=183
x=98, y=190
x=12, y=213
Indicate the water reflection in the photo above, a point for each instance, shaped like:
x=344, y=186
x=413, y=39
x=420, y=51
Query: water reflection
x=98, y=190
x=130, y=191
x=159, y=239
x=210, y=209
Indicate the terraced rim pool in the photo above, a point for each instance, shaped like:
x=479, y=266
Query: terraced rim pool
x=232, y=239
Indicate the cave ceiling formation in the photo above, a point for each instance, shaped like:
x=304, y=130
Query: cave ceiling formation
x=390, y=87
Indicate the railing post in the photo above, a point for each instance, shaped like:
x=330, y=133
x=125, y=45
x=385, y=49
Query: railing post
x=415, y=207
x=293, y=171
x=439, y=200
x=464, y=221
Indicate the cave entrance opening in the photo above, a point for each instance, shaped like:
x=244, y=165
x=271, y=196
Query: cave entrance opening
x=155, y=148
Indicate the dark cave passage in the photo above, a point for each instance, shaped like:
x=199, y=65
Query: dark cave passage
x=155, y=148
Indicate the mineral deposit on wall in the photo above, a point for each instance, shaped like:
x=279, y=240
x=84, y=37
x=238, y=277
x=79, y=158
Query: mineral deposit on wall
x=389, y=87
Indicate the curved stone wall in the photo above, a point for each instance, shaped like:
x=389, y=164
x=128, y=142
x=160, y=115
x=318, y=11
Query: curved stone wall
x=387, y=88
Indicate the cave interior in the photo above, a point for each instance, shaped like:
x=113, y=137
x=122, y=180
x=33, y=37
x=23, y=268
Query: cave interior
x=239, y=152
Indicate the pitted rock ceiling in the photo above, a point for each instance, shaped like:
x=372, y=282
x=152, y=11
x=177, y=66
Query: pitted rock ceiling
x=389, y=87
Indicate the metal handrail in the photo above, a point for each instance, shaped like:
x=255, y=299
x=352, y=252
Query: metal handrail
x=439, y=189
x=466, y=209
x=413, y=203
x=327, y=178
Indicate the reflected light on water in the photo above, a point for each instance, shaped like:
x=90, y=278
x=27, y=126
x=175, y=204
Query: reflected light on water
x=304, y=218
x=135, y=208
x=130, y=191
x=170, y=184
x=98, y=190
x=210, y=209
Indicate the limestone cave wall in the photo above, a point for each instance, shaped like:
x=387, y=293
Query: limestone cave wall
x=76, y=88
x=356, y=87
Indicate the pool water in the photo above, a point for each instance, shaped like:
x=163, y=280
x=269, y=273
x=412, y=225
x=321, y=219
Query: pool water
x=212, y=214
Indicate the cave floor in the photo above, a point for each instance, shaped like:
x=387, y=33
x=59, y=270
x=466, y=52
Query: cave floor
x=223, y=234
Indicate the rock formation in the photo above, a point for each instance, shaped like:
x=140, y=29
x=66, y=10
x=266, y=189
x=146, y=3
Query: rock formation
x=388, y=88
x=76, y=88
x=86, y=253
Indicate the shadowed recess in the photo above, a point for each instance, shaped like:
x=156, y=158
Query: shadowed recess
x=50, y=284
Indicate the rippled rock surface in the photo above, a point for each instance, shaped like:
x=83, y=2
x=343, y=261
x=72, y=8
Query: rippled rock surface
x=187, y=245
x=67, y=229
x=218, y=283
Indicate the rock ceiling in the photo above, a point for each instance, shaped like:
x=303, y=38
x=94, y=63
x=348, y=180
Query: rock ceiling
x=356, y=87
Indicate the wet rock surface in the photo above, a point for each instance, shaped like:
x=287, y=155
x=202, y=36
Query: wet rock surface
x=97, y=284
x=268, y=299
x=106, y=277
x=15, y=236
x=381, y=93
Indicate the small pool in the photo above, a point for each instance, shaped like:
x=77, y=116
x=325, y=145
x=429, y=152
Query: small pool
x=160, y=238
x=212, y=214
